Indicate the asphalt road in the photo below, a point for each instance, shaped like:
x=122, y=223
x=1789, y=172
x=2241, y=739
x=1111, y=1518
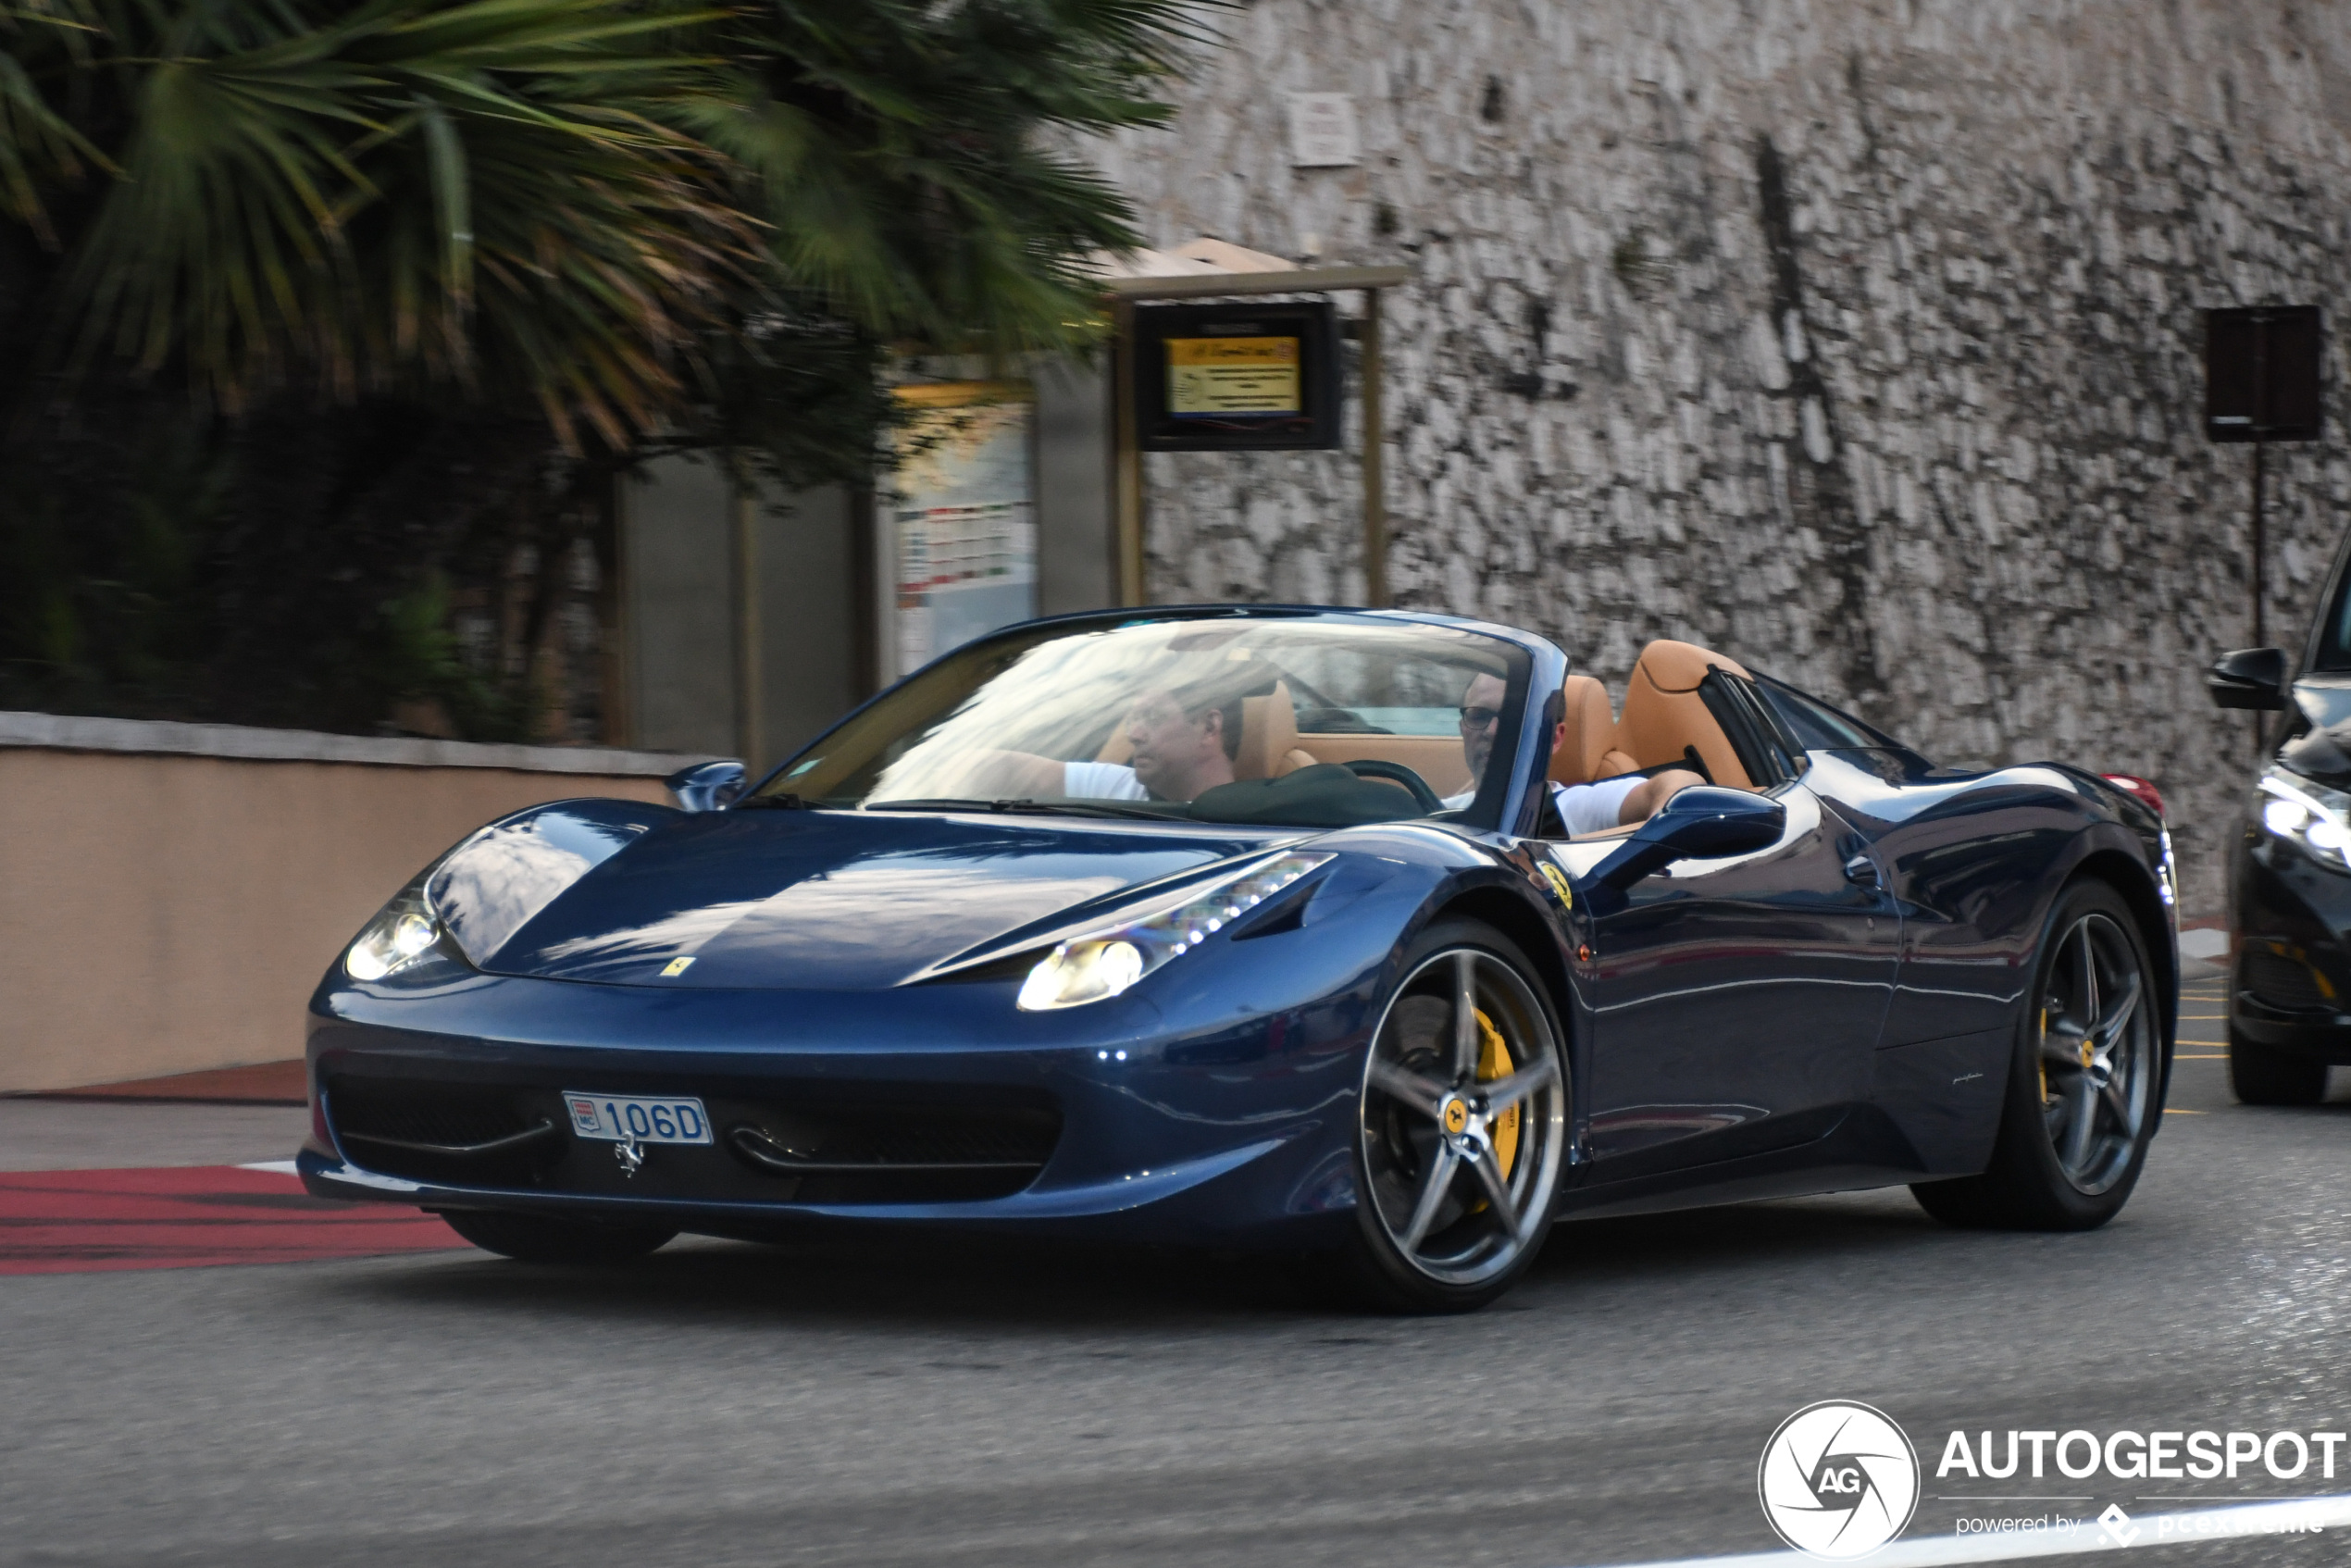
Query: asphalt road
x=727, y=1404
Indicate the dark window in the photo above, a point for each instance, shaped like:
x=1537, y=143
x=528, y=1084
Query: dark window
x=1764, y=747
x=1818, y=727
x=2334, y=633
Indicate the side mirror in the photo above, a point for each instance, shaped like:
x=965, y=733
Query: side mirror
x=708, y=786
x=2250, y=677
x=1703, y=822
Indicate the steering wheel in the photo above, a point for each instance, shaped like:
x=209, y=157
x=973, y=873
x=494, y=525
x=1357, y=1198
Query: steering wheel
x=1397, y=773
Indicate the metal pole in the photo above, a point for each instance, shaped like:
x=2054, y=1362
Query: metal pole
x=745, y=523
x=1375, y=470
x=1127, y=458
x=2259, y=543
x=2259, y=563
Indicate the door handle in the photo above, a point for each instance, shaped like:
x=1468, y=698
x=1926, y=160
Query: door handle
x=1862, y=871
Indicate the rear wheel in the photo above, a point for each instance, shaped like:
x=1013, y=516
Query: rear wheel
x=2081, y=1101
x=2263, y=1074
x=540, y=1239
x=1461, y=1127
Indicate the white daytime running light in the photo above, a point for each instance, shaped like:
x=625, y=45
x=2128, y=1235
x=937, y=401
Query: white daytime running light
x=1103, y=964
x=404, y=932
x=2311, y=817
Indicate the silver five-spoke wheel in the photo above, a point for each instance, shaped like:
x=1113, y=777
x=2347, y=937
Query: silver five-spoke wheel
x=2097, y=1053
x=2085, y=1085
x=1463, y=1119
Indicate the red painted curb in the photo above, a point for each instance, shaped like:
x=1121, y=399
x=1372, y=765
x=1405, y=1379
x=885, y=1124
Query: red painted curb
x=191, y=1216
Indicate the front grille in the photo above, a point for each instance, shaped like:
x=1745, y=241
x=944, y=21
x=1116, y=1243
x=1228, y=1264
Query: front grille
x=424, y=1131
x=2287, y=982
x=827, y=1143
x=881, y=1152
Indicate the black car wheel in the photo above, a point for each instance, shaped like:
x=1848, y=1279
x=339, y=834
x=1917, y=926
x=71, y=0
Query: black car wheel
x=2083, y=1091
x=539, y=1239
x=1461, y=1127
x=2263, y=1074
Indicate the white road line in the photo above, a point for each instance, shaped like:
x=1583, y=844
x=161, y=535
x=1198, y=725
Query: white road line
x=277, y=1167
x=2275, y=1521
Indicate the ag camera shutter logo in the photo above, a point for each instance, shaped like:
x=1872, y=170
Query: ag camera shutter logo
x=1838, y=1480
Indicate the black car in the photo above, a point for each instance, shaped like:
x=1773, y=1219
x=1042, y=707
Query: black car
x=2290, y=869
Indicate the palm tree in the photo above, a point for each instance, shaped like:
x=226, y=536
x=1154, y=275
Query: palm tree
x=554, y=198
x=362, y=267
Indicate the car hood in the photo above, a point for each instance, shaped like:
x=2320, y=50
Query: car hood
x=831, y=900
x=2323, y=753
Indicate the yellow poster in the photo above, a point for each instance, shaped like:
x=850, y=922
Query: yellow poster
x=1216, y=377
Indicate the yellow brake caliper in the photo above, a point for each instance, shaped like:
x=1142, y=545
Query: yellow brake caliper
x=1494, y=1062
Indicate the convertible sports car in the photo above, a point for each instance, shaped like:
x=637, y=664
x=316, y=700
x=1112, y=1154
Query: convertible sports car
x=1261, y=927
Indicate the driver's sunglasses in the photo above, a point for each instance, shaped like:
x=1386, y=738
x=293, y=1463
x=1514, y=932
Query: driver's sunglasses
x=1478, y=718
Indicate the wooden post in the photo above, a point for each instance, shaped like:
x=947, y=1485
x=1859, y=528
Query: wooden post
x=1375, y=469
x=745, y=525
x=1127, y=457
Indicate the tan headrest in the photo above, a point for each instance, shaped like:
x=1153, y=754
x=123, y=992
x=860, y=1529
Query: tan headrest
x=1663, y=713
x=1679, y=666
x=1269, y=733
x=1588, y=734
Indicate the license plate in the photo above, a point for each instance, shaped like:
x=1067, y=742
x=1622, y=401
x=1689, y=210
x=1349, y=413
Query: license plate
x=621, y=1118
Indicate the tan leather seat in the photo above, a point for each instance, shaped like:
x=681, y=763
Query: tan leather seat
x=1269, y=737
x=1589, y=734
x=1664, y=715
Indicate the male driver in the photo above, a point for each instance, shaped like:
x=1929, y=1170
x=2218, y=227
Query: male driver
x=1585, y=808
x=1178, y=751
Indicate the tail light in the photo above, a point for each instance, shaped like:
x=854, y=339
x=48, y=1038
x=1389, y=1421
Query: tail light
x=2131, y=785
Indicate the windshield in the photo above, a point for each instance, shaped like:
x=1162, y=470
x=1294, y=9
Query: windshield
x=1312, y=721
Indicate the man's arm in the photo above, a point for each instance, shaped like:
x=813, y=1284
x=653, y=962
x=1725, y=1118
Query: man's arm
x=1653, y=792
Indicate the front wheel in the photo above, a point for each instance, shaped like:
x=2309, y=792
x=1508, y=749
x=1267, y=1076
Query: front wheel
x=2083, y=1087
x=540, y=1239
x=2263, y=1074
x=1460, y=1128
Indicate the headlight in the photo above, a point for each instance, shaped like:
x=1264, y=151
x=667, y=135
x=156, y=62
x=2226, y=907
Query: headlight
x=1101, y=963
x=404, y=934
x=2310, y=816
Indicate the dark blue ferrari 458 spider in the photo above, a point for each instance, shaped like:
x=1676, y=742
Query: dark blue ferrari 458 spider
x=1370, y=935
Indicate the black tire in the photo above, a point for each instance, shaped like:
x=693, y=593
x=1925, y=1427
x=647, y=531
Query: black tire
x=540, y=1239
x=2046, y=1174
x=1454, y=1192
x=2263, y=1074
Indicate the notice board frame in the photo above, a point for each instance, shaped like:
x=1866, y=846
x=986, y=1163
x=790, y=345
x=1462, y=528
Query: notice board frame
x=1316, y=425
x=1122, y=296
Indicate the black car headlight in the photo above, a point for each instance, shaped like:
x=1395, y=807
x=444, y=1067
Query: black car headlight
x=2311, y=816
x=1101, y=964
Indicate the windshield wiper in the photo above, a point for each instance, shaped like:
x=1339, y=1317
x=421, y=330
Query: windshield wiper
x=1021, y=807
x=773, y=803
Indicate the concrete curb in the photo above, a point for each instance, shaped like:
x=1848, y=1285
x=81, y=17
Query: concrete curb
x=65, y=732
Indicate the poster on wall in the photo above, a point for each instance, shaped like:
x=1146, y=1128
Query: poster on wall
x=963, y=509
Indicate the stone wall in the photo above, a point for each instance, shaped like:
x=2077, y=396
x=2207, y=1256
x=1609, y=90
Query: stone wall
x=1859, y=340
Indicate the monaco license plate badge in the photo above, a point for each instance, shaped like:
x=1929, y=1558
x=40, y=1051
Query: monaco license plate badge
x=631, y=1120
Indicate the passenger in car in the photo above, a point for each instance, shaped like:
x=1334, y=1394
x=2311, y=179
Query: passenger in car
x=1597, y=807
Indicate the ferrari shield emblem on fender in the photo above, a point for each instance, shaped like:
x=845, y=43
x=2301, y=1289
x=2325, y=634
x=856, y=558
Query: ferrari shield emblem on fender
x=632, y=1155
x=1558, y=880
x=676, y=967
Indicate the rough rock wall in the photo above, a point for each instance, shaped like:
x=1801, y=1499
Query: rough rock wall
x=1859, y=340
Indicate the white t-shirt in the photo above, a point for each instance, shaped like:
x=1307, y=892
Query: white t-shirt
x=1586, y=808
x=1102, y=781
